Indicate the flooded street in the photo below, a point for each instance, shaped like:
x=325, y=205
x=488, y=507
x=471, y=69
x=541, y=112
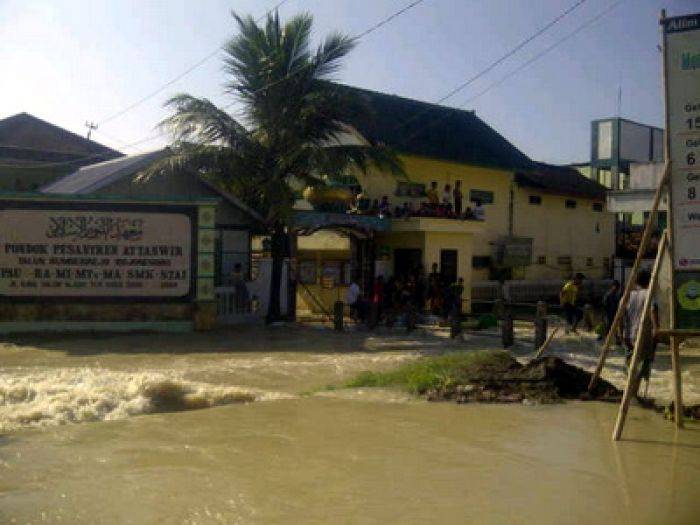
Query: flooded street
x=94, y=431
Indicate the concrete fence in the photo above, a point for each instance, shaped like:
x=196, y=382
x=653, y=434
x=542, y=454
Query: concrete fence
x=232, y=309
x=532, y=291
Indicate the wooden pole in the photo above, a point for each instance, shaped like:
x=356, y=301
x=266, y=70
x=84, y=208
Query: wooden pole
x=644, y=244
x=546, y=343
x=675, y=365
x=632, y=377
x=677, y=385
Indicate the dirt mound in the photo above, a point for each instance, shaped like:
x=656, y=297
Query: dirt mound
x=544, y=380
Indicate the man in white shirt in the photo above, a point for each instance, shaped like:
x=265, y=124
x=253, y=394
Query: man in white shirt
x=631, y=324
x=352, y=298
x=478, y=211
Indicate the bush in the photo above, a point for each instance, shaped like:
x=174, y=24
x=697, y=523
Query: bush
x=430, y=373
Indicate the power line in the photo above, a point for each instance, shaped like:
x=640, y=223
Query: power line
x=100, y=156
x=526, y=64
x=488, y=68
x=491, y=66
x=510, y=53
x=387, y=19
x=115, y=139
x=371, y=29
x=178, y=77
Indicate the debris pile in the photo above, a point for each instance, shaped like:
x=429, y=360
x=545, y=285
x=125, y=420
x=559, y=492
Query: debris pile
x=543, y=380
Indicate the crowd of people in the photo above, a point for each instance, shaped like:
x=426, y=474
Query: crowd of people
x=407, y=297
x=448, y=205
x=631, y=326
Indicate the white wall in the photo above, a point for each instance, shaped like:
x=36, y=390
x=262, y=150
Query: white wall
x=645, y=175
x=634, y=141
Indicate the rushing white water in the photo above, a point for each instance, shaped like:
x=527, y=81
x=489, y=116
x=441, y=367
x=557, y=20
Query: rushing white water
x=30, y=397
x=42, y=389
x=347, y=455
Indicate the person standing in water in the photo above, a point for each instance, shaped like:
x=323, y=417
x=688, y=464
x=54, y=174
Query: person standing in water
x=567, y=298
x=632, y=324
x=611, y=300
x=240, y=288
x=352, y=298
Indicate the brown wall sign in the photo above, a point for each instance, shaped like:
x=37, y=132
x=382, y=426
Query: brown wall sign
x=96, y=250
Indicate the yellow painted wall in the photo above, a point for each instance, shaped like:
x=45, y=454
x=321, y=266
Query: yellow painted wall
x=557, y=231
x=580, y=233
x=430, y=244
x=325, y=296
x=323, y=240
x=424, y=170
x=434, y=242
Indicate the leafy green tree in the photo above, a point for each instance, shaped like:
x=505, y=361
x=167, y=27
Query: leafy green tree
x=287, y=131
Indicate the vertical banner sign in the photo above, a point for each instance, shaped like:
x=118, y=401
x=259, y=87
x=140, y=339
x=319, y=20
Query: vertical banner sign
x=682, y=58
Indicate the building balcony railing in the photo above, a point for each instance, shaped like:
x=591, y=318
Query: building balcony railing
x=435, y=224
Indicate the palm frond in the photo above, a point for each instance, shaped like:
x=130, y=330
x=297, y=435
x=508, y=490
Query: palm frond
x=329, y=54
x=199, y=120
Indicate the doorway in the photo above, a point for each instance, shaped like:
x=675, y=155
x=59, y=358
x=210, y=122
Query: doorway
x=406, y=260
x=448, y=265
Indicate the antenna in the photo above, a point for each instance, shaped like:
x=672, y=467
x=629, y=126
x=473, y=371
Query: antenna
x=619, y=101
x=90, y=126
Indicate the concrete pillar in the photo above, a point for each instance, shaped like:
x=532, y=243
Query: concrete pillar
x=456, y=321
x=540, y=324
x=507, y=336
x=540, y=332
x=541, y=310
x=499, y=308
x=373, y=314
x=588, y=317
x=338, y=313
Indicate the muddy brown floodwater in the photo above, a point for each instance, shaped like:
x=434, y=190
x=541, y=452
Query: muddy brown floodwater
x=93, y=430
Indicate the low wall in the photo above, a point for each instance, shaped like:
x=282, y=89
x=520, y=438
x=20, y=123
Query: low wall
x=103, y=263
x=592, y=290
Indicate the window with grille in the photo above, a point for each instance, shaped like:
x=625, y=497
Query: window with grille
x=485, y=197
x=481, y=261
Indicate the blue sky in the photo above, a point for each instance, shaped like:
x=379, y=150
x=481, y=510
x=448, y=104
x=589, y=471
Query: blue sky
x=75, y=60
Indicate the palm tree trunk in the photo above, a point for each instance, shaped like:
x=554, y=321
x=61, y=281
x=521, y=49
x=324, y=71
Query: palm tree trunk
x=292, y=269
x=278, y=251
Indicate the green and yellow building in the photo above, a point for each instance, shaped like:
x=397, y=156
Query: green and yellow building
x=542, y=222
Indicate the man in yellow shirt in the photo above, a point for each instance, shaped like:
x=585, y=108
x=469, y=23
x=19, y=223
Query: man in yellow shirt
x=432, y=194
x=568, y=297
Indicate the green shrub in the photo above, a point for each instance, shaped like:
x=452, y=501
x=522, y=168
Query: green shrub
x=438, y=372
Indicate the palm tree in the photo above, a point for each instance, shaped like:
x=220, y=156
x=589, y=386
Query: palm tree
x=287, y=131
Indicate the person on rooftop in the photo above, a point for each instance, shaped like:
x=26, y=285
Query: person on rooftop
x=384, y=207
x=478, y=211
x=432, y=194
x=457, y=198
x=447, y=195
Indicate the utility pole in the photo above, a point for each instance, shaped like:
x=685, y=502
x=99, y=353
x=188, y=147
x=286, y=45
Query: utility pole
x=90, y=126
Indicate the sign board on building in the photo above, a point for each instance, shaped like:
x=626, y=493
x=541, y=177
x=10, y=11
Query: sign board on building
x=514, y=251
x=95, y=251
x=682, y=62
